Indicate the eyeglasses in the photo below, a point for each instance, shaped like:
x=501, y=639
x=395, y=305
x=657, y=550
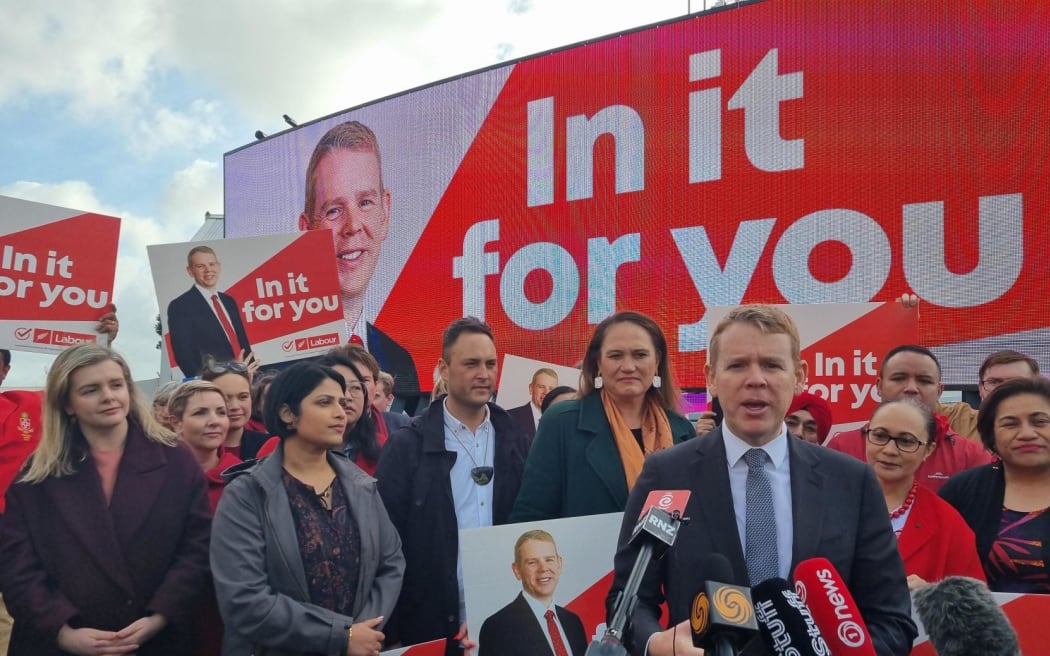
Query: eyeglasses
x=990, y=384
x=355, y=389
x=906, y=442
x=800, y=427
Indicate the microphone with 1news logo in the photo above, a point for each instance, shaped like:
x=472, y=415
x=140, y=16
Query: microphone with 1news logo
x=820, y=586
x=655, y=532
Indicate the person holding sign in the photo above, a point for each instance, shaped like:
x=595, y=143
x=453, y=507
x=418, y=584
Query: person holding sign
x=204, y=321
x=104, y=545
x=911, y=371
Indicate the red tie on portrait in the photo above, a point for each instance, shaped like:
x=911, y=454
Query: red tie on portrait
x=356, y=340
x=552, y=628
x=230, y=335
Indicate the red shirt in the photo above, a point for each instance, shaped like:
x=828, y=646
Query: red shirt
x=20, y=426
x=953, y=454
x=214, y=476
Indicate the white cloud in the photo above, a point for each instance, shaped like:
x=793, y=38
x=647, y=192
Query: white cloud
x=190, y=192
x=197, y=126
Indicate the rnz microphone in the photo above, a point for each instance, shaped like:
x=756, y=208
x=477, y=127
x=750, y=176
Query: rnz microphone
x=822, y=589
x=722, y=618
x=784, y=620
x=962, y=619
x=655, y=531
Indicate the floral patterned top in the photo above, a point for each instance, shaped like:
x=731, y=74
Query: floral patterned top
x=329, y=543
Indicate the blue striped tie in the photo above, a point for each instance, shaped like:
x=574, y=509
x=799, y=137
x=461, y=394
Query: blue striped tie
x=760, y=522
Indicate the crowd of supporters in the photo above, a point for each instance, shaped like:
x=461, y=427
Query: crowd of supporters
x=292, y=512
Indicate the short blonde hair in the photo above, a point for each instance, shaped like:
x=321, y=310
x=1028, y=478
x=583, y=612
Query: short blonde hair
x=180, y=398
x=53, y=456
x=766, y=318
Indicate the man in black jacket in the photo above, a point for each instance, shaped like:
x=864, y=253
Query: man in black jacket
x=456, y=466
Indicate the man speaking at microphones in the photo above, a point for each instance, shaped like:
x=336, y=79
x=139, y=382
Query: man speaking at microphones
x=762, y=499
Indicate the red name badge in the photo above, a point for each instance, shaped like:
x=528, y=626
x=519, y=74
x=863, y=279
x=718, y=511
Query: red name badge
x=666, y=500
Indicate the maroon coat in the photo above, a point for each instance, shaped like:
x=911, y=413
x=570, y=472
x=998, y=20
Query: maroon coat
x=67, y=558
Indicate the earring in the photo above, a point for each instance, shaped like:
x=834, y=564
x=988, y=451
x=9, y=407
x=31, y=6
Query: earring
x=657, y=382
x=598, y=382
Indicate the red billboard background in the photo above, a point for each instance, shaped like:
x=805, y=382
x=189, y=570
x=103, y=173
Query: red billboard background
x=784, y=151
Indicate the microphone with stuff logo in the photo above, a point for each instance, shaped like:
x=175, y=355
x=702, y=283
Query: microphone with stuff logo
x=784, y=620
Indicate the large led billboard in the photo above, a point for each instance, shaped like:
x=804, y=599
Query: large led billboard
x=783, y=151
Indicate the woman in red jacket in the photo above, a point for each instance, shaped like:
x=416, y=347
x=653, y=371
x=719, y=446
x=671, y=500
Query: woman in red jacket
x=932, y=537
x=198, y=414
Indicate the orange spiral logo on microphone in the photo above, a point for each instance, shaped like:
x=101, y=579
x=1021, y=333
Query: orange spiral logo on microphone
x=732, y=605
x=701, y=614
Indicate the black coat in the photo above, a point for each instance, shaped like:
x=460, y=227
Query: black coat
x=514, y=631
x=413, y=476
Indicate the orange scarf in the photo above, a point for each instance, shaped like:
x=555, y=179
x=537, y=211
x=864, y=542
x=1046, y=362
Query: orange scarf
x=656, y=435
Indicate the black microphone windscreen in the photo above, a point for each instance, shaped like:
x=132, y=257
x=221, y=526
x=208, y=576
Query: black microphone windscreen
x=716, y=567
x=962, y=619
x=784, y=621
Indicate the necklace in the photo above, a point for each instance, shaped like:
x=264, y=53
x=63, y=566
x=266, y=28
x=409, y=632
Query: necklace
x=908, y=501
x=325, y=496
x=481, y=475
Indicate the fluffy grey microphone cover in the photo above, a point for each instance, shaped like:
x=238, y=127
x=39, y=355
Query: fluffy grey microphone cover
x=962, y=619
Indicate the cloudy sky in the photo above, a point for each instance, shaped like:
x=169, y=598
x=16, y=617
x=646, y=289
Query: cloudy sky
x=126, y=108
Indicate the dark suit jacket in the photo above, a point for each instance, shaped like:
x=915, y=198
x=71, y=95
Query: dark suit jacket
x=839, y=513
x=522, y=416
x=67, y=558
x=396, y=361
x=196, y=332
x=574, y=467
x=514, y=631
x=413, y=477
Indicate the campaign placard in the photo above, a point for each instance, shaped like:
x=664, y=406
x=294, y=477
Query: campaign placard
x=843, y=345
x=578, y=579
x=276, y=297
x=56, y=274
x=519, y=377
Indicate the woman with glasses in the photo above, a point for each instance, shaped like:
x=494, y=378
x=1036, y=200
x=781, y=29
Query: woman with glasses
x=361, y=442
x=304, y=556
x=234, y=379
x=1007, y=503
x=104, y=545
x=933, y=539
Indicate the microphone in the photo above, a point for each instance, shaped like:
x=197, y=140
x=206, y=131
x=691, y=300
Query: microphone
x=784, y=620
x=962, y=619
x=656, y=529
x=822, y=589
x=722, y=618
